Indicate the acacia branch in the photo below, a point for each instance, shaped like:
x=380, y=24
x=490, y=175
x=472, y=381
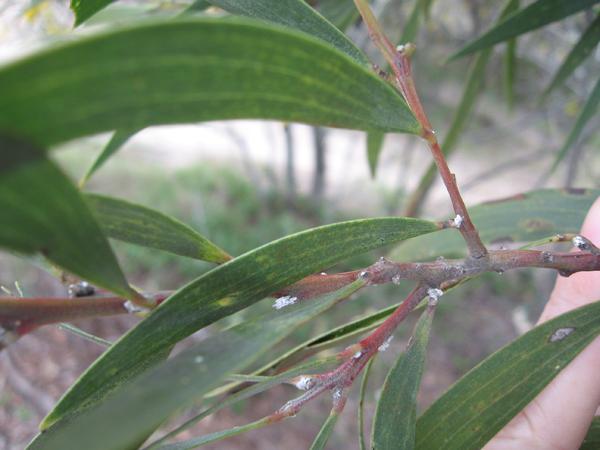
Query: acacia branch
x=399, y=60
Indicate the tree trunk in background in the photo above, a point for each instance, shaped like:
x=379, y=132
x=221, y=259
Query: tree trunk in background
x=319, y=174
x=289, y=164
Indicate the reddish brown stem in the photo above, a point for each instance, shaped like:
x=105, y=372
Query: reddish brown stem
x=399, y=60
x=23, y=315
x=403, y=71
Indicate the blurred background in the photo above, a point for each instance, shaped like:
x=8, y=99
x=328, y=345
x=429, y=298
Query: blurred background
x=245, y=183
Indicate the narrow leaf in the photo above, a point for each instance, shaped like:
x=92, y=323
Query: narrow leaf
x=84, y=9
x=592, y=438
x=584, y=47
x=521, y=218
x=296, y=14
x=374, y=147
x=330, y=338
x=510, y=62
x=533, y=16
x=341, y=13
x=198, y=6
x=84, y=334
x=143, y=226
x=191, y=70
x=325, y=432
x=135, y=410
x=427, y=4
x=244, y=394
x=588, y=111
x=411, y=27
x=216, y=436
x=118, y=139
x=396, y=414
x=229, y=288
x=483, y=401
x=42, y=212
x=361, y=403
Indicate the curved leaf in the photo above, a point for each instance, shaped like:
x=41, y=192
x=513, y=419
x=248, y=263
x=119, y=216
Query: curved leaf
x=42, y=212
x=192, y=70
x=374, y=147
x=411, y=27
x=143, y=226
x=118, y=139
x=522, y=218
x=296, y=14
x=84, y=9
x=535, y=15
x=341, y=13
x=396, y=414
x=198, y=6
x=510, y=63
x=491, y=394
x=134, y=411
x=243, y=394
x=586, y=44
x=229, y=288
x=325, y=432
x=588, y=111
x=215, y=437
x=361, y=403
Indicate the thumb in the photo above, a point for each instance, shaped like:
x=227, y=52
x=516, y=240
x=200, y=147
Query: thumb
x=581, y=288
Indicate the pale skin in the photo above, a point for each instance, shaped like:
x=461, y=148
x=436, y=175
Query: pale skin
x=559, y=417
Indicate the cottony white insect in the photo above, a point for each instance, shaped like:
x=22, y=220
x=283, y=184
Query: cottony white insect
x=434, y=295
x=337, y=394
x=304, y=383
x=458, y=221
x=132, y=308
x=396, y=279
x=386, y=344
x=284, y=301
x=579, y=242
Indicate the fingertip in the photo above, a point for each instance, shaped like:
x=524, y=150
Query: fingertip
x=580, y=288
x=591, y=224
